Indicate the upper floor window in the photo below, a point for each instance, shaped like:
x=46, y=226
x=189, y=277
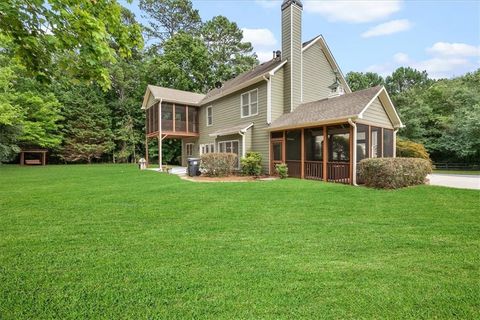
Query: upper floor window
x=209, y=116
x=249, y=103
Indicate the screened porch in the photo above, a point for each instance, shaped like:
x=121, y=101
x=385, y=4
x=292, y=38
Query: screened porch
x=326, y=152
x=176, y=120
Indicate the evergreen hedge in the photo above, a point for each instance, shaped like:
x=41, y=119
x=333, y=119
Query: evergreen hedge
x=393, y=173
x=218, y=164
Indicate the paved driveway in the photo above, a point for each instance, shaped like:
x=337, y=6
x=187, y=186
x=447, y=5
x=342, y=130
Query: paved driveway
x=455, y=180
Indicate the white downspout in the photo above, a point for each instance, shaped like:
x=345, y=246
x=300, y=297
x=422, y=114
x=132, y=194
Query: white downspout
x=160, y=167
x=395, y=143
x=354, y=155
x=243, y=143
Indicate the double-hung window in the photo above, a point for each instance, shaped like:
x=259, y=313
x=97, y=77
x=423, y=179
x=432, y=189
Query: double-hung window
x=189, y=147
x=207, y=148
x=209, y=116
x=249, y=103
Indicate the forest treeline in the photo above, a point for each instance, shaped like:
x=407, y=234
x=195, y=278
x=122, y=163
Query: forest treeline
x=73, y=75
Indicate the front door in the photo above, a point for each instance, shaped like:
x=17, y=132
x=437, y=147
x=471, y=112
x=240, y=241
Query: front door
x=277, y=154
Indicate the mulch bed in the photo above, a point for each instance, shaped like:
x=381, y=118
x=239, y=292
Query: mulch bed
x=229, y=178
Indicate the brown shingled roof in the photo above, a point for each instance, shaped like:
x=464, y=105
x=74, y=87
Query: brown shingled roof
x=344, y=106
x=230, y=85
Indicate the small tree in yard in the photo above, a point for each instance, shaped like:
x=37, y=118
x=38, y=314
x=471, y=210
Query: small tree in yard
x=252, y=164
x=282, y=170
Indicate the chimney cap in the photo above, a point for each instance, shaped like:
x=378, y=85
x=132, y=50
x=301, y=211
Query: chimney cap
x=287, y=3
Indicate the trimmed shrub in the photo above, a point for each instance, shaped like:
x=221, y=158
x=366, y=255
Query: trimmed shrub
x=410, y=149
x=218, y=164
x=252, y=164
x=282, y=170
x=393, y=173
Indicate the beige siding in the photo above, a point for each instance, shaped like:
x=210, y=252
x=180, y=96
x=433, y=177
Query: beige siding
x=277, y=94
x=292, y=53
x=286, y=55
x=151, y=100
x=376, y=114
x=226, y=114
x=318, y=74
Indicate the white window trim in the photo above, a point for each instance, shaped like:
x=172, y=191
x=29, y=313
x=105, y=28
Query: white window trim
x=239, y=153
x=209, y=108
x=211, y=148
x=186, y=147
x=249, y=104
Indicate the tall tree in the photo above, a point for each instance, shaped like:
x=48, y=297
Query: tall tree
x=168, y=17
x=184, y=65
x=77, y=35
x=29, y=111
x=359, y=80
x=87, y=123
x=405, y=78
x=230, y=55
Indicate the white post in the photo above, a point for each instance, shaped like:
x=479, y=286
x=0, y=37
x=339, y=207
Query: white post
x=395, y=143
x=160, y=167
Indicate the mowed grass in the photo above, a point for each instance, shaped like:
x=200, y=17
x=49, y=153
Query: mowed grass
x=113, y=242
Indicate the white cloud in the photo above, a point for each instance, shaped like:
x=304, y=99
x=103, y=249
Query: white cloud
x=263, y=42
x=353, y=11
x=454, y=49
x=447, y=60
x=259, y=37
x=387, y=28
x=269, y=3
x=401, y=57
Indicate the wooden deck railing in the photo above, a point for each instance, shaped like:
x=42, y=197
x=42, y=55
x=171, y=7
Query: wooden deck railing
x=314, y=170
x=338, y=172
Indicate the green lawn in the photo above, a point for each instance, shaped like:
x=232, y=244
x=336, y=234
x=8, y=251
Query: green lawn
x=113, y=242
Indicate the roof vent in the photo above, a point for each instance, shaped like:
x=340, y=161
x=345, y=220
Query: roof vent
x=218, y=84
x=278, y=54
x=336, y=88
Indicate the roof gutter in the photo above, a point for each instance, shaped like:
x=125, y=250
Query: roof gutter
x=354, y=151
x=314, y=124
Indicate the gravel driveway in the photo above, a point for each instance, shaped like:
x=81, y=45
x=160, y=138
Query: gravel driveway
x=455, y=180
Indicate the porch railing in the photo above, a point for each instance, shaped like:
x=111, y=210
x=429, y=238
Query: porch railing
x=338, y=172
x=314, y=170
x=294, y=168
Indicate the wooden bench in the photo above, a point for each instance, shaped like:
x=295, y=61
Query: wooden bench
x=33, y=162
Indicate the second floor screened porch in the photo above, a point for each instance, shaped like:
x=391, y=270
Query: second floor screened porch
x=172, y=119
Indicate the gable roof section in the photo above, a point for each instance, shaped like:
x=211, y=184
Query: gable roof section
x=330, y=58
x=328, y=110
x=171, y=95
x=244, y=80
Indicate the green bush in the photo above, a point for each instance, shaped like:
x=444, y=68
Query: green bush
x=393, y=173
x=252, y=164
x=410, y=149
x=282, y=170
x=218, y=164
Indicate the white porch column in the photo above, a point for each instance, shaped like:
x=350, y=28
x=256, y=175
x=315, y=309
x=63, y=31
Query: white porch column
x=160, y=167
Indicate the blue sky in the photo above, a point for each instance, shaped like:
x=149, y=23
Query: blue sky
x=442, y=37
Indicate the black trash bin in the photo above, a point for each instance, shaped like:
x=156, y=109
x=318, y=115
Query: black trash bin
x=193, y=167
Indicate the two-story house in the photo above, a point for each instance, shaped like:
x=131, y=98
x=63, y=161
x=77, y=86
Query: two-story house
x=296, y=109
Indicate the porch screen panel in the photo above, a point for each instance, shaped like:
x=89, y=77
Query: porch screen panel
x=180, y=118
x=314, y=144
x=362, y=142
x=387, y=143
x=192, y=119
x=339, y=143
x=155, y=118
x=376, y=142
x=167, y=117
x=293, y=145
